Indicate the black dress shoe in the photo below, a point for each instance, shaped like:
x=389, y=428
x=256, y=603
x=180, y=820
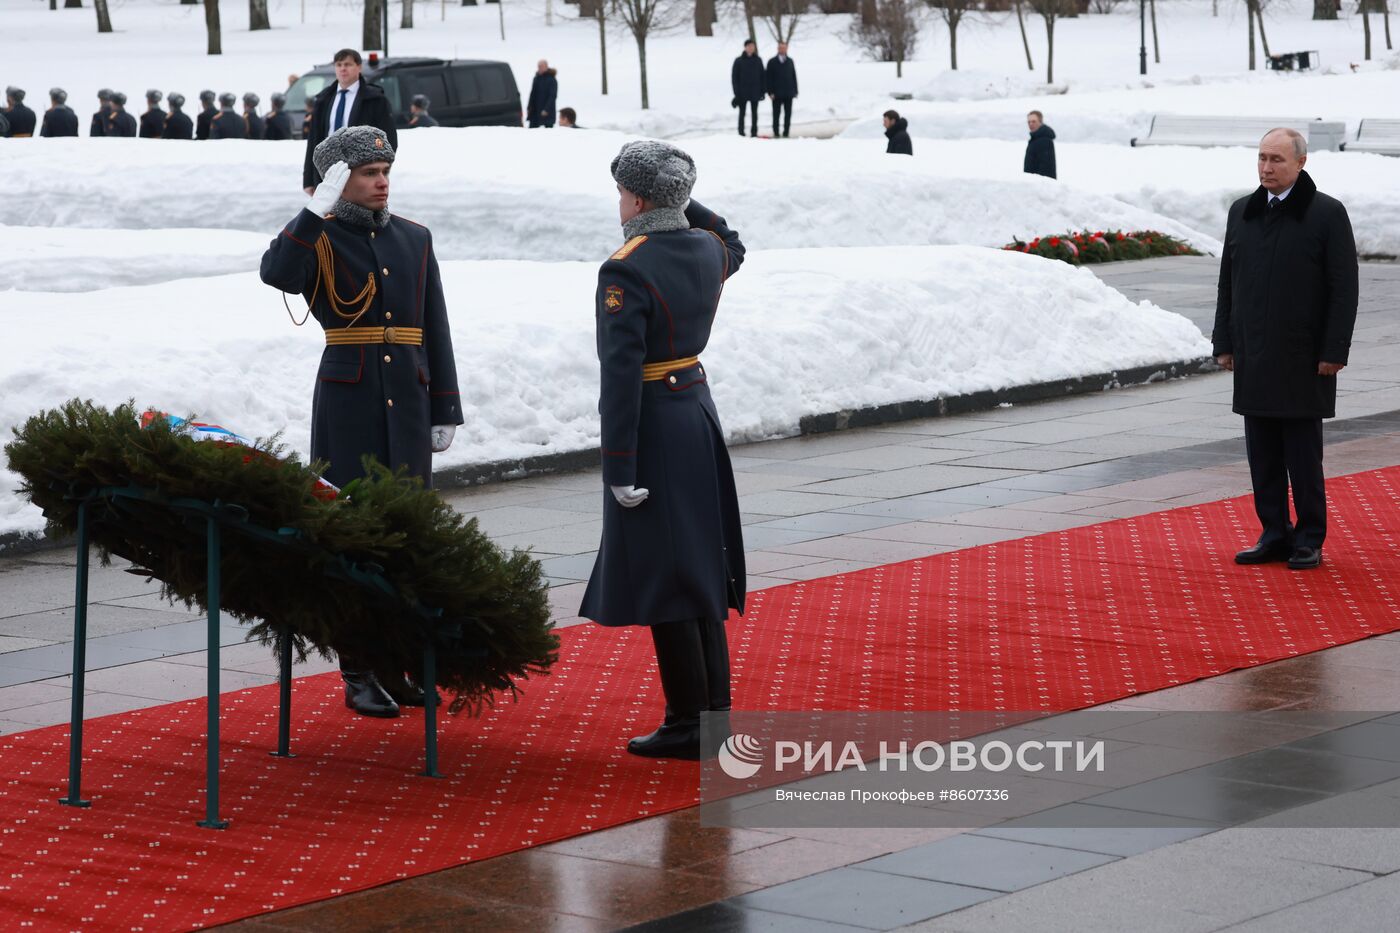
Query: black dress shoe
x=679, y=738
x=403, y=690
x=1305, y=558
x=364, y=695
x=1263, y=554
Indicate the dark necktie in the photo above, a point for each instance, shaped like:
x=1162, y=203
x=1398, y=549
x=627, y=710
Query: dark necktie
x=1274, y=202
x=339, y=112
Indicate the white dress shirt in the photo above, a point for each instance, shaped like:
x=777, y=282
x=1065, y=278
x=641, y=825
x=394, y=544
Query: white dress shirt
x=350, y=94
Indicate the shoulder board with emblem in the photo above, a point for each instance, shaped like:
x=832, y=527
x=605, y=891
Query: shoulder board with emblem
x=629, y=247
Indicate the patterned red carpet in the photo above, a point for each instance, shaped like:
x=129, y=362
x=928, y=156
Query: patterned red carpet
x=1053, y=622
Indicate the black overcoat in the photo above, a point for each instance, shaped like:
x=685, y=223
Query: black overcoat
x=152, y=123
x=21, y=120
x=59, y=121
x=177, y=126
x=98, y=126
x=544, y=93
x=371, y=108
x=747, y=78
x=898, y=136
x=205, y=121
x=379, y=399
x=121, y=123
x=228, y=124
x=1286, y=301
x=680, y=554
x=781, y=78
x=256, y=125
x=1040, y=153
x=278, y=125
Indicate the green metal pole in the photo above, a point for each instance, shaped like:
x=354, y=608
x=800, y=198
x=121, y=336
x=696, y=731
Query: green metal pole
x=75, y=729
x=215, y=588
x=284, y=695
x=430, y=705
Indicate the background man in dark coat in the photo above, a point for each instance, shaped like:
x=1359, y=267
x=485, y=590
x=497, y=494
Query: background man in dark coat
x=568, y=118
x=781, y=80
x=897, y=132
x=1040, y=149
x=153, y=120
x=59, y=119
x=747, y=79
x=228, y=123
x=278, y=123
x=387, y=384
x=544, y=93
x=21, y=119
x=419, y=108
x=207, y=110
x=1283, y=323
x=256, y=126
x=177, y=123
x=119, y=122
x=98, y=126
x=351, y=101
x=672, y=554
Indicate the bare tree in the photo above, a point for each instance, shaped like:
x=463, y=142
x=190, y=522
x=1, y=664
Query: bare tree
x=370, y=31
x=1156, y=49
x=1249, y=8
x=890, y=33
x=704, y=17
x=952, y=13
x=1103, y=6
x=1051, y=10
x=72, y=4
x=104, y=22
x=1324, y=9
x=644, y=18
x=1385, y=8
x=1259, y=15
x=1366, y=24
x=211, y=25
x=1026, y=42
x=598, y=9
x=782, y=16
x=406, y=21
x=257, y=15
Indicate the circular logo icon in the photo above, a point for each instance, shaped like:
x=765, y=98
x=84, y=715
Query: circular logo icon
x=741, y=756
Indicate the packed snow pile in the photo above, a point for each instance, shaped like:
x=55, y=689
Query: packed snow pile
x=76, y=259
x=985, y=85
x=799, y=332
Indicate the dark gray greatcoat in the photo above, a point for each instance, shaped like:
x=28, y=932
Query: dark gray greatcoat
x=680, y=554
x=59, y=121
x=378, y=399
x=1287, y=301
x=177, y=126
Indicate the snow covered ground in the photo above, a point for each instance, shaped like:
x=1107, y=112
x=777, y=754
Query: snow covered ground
x=910, y=322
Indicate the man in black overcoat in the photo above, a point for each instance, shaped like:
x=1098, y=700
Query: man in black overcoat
x=672, y=554
x=746, y=79
x=59, y=119
x=781, y=81
x=350, y=101
x=1283, y=323
x=387, y=383
x=1040, y=148
x=207, y=112
x=153, y=120
x=897, y=132
x=544, y=94
x=20, y=118
x=177, y=123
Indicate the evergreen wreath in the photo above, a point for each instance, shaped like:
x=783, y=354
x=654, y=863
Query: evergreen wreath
x=302, y=561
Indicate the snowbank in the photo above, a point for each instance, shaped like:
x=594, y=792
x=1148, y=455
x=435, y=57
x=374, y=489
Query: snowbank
x=500, y=193
x=906, y=323
x=71, y=259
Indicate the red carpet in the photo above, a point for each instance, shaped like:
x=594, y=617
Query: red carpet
x=1054, y=622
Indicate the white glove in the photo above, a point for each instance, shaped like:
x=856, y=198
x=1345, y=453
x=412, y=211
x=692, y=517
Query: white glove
x=629, y=497
x=442, y=436
x=328, y=191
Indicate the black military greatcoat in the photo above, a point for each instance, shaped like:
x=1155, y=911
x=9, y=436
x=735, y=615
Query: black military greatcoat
x=152, y=123
x=279, y=125
x=177, y=126
x=59, y=121
x=1287, y=301
x=680, y=554
x=121, y=123
x=21, y=120
x=379, y=399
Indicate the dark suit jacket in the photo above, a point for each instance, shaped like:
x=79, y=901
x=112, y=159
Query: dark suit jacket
x=371, y=108
x=782, y=78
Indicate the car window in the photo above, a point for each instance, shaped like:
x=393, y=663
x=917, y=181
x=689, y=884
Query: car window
x=390, y=84
x=464, y=83
x=494, y=89
x=304, y=87
x=430, y=82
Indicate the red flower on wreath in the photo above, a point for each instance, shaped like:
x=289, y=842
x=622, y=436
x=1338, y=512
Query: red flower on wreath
x=1054, y=241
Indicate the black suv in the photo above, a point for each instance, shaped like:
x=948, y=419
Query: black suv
x=462, y=93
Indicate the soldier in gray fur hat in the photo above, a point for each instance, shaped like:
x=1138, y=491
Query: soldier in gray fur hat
x=177, y=123
x=153, y=120
x=59, y=119
x=119, y=122
x=255, y=124
x=20, y=118
x=387, y=385
x=206, y=114
x=672, y=554
x=104, y=110
x=227, y=123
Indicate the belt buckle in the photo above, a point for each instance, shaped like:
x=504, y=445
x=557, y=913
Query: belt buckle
x=390, y=335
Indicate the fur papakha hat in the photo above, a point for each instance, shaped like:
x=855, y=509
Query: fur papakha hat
x=655, y=171
x=353, y=145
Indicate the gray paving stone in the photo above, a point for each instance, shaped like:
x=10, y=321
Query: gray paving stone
x=1364, y=908
x=1096, y=829
x=910, y=481
x=789, y=503
x=826, y=522
x=863, y=898
x=986, y=862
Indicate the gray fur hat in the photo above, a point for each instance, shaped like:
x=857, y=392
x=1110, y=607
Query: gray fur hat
x=177, y=100
x=227, y=100
x=154, y=96
x=251, y=100
x=119, y=98
x=105, y=94
x=655, y=171
x=58, y=95
x=207, y=96
x=353, y=145
x=15, y=92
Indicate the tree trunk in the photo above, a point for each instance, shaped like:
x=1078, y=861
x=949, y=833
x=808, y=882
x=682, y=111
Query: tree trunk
x=1050, y=51
x=704, y=17
x=406, y=21
x=1324, y=9
x=72, y=4
x=211, y=25
x=1366, y=25
x=642, y=61
x=501, y=12
x=899, y=68
x=603, y=45
x=1249, y=8
x=1156, y=49
x=1385, y=8
x=953, y=43
x=1021, y=20
x=257, y=15
x=748, y=17
x=1263, y=36
x=369, y=30
x=104, y=22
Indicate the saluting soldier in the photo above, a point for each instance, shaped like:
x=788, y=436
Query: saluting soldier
x=98, y=127
x=20, y=117
x=228, y=123
x=207, y=110
x=278, y=124
x=59, y=119
x=672, y=554
x=153, y=120
x=177, y=123
x=387, y=384
x=119, y=122
x=250, y=116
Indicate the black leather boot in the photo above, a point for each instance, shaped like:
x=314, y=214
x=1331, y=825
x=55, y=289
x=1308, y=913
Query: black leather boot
x=364, y=695
x=680, y=660
x=402, y=689
x=714, y=642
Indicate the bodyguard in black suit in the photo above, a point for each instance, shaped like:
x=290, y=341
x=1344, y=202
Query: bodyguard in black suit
x=153, y=120
x=20, y=118
x=781, y=79
x=207, y=111
x=351, y=101
x=672, y=554
x=177, y=123
x=387, y=383
x=278, y=123
x=59, y=119
x=747, y=80
x=1283, y=324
